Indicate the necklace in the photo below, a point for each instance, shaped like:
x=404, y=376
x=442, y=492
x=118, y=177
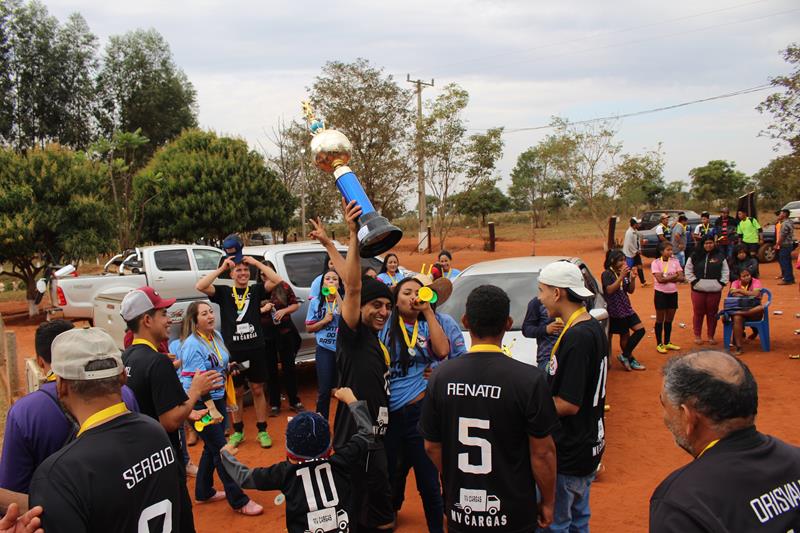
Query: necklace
x=412, y=342
x=578, y=312
x=103, y=415
x=213, y=343
x=240, y=303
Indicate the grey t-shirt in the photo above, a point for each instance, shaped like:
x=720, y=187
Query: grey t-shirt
x=678, y=237
x=787, y=232
x=630, y=246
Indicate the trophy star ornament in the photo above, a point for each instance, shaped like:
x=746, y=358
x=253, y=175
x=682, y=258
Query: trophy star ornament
x=331, y=150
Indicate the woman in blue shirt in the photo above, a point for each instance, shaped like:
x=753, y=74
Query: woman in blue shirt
x=317, y=283
x=390, y=271
x=323, y=320
x=446, y=262
x=202, y=349
x=415, y=339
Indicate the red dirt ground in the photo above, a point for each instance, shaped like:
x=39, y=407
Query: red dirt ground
x=640, y=450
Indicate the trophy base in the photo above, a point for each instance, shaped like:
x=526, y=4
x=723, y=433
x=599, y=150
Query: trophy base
x=376, y=235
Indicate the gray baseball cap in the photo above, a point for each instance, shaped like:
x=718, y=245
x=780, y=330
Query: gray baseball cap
x=76, y=348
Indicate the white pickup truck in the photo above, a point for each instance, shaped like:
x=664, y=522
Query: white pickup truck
x=171, y=269
x=297, y=263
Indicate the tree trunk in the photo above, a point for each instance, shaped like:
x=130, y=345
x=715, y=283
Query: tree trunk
x=30, y=295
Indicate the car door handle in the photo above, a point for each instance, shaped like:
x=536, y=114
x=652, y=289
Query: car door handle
x=300, y=300
x=160, y=278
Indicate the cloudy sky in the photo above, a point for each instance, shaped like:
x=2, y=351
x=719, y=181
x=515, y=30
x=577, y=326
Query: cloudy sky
x=522, y=62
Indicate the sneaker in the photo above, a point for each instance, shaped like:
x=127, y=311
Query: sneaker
x=264, y=439
x=635, y=364
x=297, y=407
x=670, y=346
x=661, y=348
x=625, y=361
x=236, y=439
x=251, y=508
x=274, y=411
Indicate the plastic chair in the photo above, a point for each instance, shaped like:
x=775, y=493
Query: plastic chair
x=762, y=326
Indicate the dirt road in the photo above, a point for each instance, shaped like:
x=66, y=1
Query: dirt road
x=640, y=450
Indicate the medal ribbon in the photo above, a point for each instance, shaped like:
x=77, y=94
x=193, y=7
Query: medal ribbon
x=101, y=416
x=213, y=343
x=331, y=306
x=578, y=312
x=665, y=265
x=385, y=351
x=410, y=343
x=240, y=303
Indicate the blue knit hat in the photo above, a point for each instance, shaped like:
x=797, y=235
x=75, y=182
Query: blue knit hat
x=308, y=436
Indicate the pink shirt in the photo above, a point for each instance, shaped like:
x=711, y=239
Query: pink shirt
x=673, y=266
x=754, y=284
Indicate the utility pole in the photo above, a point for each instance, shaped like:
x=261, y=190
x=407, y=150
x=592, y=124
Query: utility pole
x=303, y=193
x=423, y=236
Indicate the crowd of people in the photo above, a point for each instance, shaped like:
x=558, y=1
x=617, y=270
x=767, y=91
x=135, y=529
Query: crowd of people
x=495, y=444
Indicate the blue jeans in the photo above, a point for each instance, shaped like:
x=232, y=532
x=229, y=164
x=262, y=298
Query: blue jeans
x=681, y=257
x=726, y=250
x=326, y=379
x=785, y=260
x=184, y=446
x=571, y=513
x=405, y=449
x=213, y=437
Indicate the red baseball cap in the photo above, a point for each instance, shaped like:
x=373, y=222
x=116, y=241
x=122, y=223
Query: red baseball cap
x=142, y=300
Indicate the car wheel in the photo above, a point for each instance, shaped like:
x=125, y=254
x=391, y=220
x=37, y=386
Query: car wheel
x=766, y=254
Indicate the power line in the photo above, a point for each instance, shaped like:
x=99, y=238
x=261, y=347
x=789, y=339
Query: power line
x=645, y=111
x=598, y=35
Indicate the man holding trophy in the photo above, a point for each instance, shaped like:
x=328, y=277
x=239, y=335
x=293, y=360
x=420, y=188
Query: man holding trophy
x=362, y=360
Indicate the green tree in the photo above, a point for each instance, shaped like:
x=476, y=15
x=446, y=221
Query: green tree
x=124, y=155
x=371, y=109
x=537, y=183
x=481, y=200
x=53, y=209
x=717, y=181
x=445, y=152
x=6, y=82
x=785, y=106
x=141, y=88
x=636, y=179
x=779, y=181
x=201, y=185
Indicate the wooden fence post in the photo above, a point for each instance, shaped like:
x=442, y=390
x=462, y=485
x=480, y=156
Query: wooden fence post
x=430, y=241
x=12, y=370
x=491, y=237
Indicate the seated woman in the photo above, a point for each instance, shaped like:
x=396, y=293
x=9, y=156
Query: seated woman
x=745, y=287
x=741, y=260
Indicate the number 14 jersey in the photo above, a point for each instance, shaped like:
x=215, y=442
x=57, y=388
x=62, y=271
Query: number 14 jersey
x=482, y=408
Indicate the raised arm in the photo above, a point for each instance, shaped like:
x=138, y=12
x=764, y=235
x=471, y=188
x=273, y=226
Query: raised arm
x=205, y=284
x=351, y=306
x=321, y=235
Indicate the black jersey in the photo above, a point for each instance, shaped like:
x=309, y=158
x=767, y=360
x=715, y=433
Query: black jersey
x=362, y=367
x=155, y=383
x=318, y=493
x=482, y=408
x=748, y=482
x=120, y=476
x=241, y=329
x=578, y=375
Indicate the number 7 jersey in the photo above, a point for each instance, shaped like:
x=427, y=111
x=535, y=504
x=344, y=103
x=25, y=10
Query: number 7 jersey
x=482, y=408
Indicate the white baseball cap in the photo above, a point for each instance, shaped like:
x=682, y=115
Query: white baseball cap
x=142, y=300
x=565, y=275
x=73, y=350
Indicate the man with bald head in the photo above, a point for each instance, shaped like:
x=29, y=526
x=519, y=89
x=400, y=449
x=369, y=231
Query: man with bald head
x=740, y=479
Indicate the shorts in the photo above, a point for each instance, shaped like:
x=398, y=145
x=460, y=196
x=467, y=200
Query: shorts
x=373, y=500
x=665, y=300
x=622, y=325
x=257, y=372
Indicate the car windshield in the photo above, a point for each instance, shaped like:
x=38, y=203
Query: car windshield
x=521, y=288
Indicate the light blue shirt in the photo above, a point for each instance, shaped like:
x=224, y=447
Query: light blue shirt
x=398, y=277
x=326, y=337
x=452, y=273
x=404, y=388
x=197, y=354
x=313, y=292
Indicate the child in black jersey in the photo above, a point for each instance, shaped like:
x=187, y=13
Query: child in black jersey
x=315, y=481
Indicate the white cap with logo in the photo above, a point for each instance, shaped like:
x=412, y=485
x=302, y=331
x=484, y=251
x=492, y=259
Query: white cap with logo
x=565, y=275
